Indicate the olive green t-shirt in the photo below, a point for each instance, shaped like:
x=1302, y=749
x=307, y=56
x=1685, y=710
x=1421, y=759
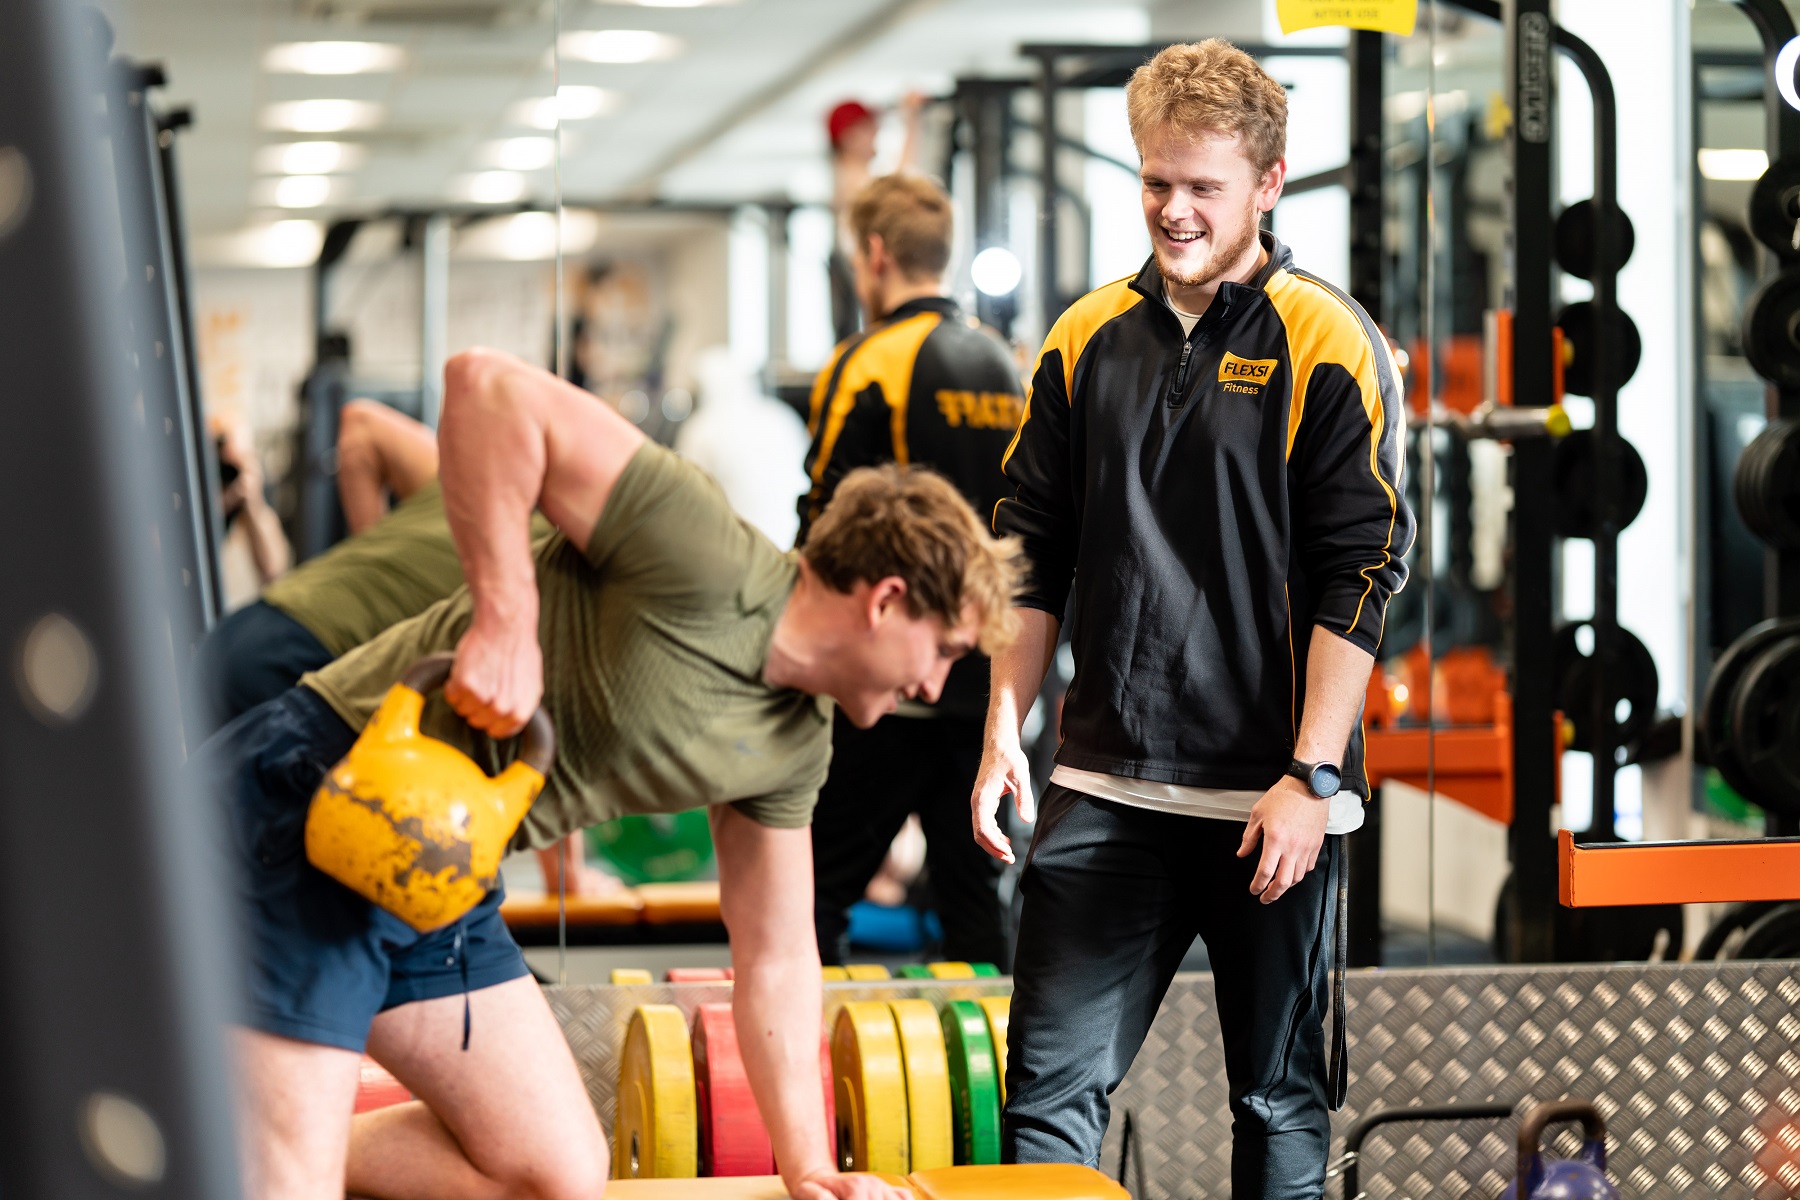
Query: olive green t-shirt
x=654, y=646
x=395, y=569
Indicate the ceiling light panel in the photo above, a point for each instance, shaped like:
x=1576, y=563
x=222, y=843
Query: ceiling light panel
x=310, y=158
x=296, y=191
x=520, y=153
x=322, y=116
x=573, y=102
x=672, y=3
x=490, y=187
x=334, y=58
x=618, y=45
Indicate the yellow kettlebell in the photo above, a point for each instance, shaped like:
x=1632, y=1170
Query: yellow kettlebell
x=410, y=822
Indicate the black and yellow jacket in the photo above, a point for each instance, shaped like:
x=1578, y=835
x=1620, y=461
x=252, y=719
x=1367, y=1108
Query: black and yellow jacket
x=921, y=386
x=1211, y=498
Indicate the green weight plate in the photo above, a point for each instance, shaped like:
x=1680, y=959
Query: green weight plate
x=985, y=970
x=661, y=848
x=916, y=971
x=974, y=1084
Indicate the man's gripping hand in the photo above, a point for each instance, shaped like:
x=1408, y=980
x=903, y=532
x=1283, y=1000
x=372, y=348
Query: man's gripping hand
x=1004, y=770
x=498, y=679
x=1290, y=822
x=829, y=1185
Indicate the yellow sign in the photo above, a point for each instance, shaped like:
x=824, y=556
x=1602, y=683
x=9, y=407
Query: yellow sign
x=1245, y=370
x=1385, y=16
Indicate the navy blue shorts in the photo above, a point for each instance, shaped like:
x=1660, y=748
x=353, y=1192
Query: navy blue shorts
x=324, y=961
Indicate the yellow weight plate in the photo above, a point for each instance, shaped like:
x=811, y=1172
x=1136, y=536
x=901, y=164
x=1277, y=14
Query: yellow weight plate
x=929, y=1121
x=998, y=1010
x=656, y=1130
x=867, y=972
x=869, y=1086
x=951, y=970
x=630, y=976
x=833, y=975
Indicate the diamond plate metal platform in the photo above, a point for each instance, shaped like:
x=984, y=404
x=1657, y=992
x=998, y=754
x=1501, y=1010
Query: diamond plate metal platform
x=1694, y=1066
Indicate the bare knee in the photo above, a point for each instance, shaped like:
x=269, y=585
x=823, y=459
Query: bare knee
x=578, y=1173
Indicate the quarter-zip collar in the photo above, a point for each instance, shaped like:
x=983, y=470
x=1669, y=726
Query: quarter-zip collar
x=921, y=304
x=1232, y=298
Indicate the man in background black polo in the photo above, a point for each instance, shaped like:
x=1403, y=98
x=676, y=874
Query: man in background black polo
x=921, y=385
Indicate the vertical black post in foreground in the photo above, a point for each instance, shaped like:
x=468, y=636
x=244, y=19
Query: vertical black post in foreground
x=1530, y=76
x=113, y=929
x=1366, y=58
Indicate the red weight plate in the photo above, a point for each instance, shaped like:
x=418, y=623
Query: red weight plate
x=733, y=1140
x=375, y=1088
x=698, y=974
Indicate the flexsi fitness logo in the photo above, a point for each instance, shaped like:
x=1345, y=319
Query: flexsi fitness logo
x=1245, y=374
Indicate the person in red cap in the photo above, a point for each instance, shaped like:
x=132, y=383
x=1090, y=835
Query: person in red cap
x=852, y=127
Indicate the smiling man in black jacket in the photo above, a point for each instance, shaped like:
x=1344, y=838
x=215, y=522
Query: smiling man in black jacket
x=1210, y=456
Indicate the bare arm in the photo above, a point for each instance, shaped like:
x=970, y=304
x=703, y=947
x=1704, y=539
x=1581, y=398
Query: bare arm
x=766, y=899
x=380, y=451
x=1289, y=820
x=269, y=547
x=514, y=438
x=912, y=108
x=1017, y=674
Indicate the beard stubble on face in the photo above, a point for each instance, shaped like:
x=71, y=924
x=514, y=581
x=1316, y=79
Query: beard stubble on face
x=1222, y=259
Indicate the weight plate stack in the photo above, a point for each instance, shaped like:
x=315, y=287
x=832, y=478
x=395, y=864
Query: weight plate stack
x=1772, y=329
x=630, y=977
x=655, y=1134
x=985, y=970
x=1579, y=337
x=867, y=972
x=974, y=1083
x=733, y=1140
x=1575, y=241
x=1765, y=726
x=1775, y=207
x=928, y=1111
x=698, y=975
x=831, y=974
x=1766, y=485
x=1630, y=678
x=915, y=971
x=1775, y=934
x=951, y=970
x=869, y=1088
x=997, y=1010
x=1573, y=473
x=1721, y=689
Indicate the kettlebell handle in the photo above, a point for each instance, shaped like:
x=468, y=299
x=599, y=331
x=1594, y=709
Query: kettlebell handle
x=537, y=741
x=1540, y=1116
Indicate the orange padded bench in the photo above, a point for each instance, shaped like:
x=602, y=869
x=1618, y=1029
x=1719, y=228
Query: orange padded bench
x=653, y=912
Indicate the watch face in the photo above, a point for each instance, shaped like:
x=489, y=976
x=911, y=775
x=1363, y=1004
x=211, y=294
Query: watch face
x=1325, y=781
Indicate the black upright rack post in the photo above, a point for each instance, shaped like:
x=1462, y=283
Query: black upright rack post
x=1530, y=93
x=159, y=351
x=1366, y=58
x=115, y=948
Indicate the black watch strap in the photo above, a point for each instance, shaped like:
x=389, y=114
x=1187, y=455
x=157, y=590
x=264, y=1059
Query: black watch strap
x=1307, y=772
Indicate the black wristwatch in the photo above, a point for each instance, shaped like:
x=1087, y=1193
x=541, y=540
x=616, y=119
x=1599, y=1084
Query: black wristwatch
x=1321, y=779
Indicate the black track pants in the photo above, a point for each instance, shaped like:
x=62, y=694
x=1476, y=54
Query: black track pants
x=924, y=765
x=1113, y=897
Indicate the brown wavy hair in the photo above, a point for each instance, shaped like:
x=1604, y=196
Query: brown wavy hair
x=1209, y=87
x=912, y=523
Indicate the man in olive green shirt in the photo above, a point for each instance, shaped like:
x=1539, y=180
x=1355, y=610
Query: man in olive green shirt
x=684, y=662
x=393, y=566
